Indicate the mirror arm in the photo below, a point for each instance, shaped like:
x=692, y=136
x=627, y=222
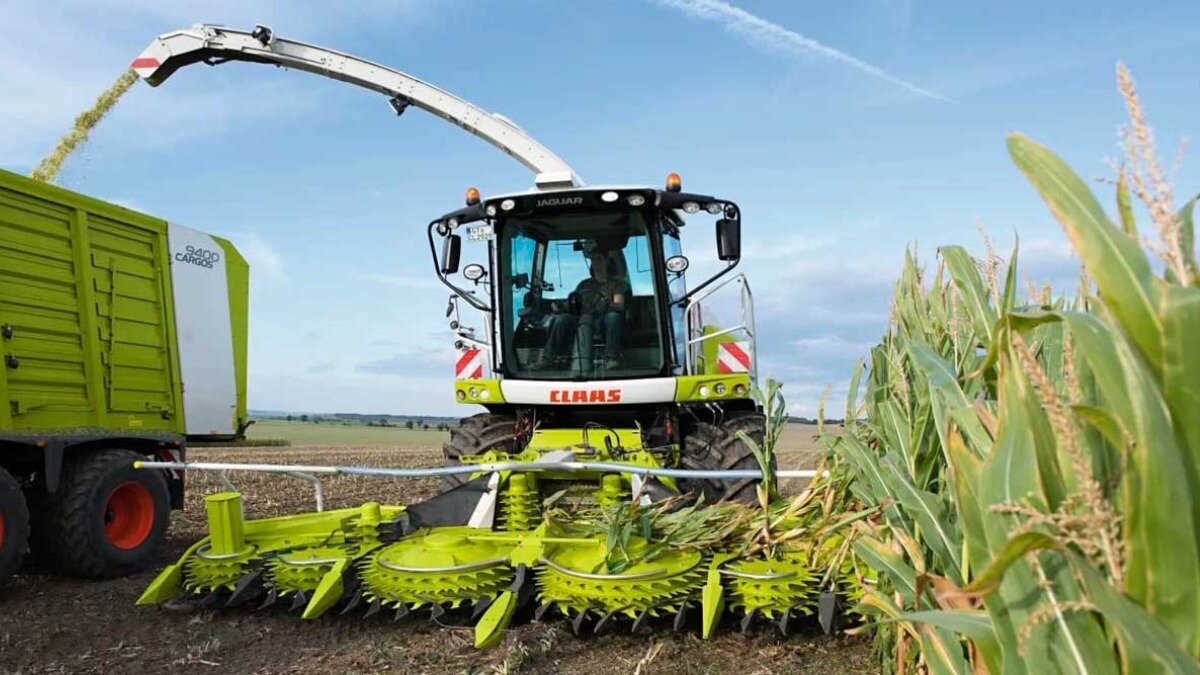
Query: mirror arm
x=460, y=292
x=682, y=302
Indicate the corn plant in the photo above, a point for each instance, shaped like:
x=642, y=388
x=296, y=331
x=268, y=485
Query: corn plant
x=1036, y=464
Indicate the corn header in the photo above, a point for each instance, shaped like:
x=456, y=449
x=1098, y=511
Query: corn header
x=619, y=418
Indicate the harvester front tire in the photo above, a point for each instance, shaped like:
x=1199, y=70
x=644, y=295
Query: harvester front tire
x=476, y=435
x=14, y=526
x=713, y=447
x=106, y=520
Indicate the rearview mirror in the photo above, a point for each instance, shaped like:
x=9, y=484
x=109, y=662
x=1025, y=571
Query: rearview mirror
x=451, y=252
x=474, y=272
x=729, y=239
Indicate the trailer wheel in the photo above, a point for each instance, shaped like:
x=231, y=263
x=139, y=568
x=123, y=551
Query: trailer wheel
x=476, y=435
x=712, y=447
x=14, y=526
x=107, y=518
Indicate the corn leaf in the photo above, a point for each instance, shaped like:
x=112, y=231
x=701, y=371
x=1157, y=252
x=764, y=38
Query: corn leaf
x=1116, y=261
x=1187, y=237
x=1125, y=206
x=1145, y=645
x=929, y=512
x=970, y=286
x=883, y=558
x=1012, y=551
x=1163, y=568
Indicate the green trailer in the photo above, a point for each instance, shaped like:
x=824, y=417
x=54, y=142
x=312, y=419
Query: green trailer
x=123, y=337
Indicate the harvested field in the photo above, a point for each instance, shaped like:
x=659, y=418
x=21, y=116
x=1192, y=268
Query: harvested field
x=54, y=625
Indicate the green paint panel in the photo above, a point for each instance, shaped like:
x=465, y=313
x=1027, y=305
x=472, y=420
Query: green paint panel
x=85, y=295
x=237, y=272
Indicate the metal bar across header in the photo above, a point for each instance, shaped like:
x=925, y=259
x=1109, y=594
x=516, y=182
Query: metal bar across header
x=432, y=472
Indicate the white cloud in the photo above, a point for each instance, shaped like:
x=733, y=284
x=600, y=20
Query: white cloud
x=266, y=264
x=774, y=37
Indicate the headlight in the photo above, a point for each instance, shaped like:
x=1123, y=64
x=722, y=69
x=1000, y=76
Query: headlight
x=485, y=394
x=739, y=389
x=462, y=395
x=473, y=392
x=704, y=391
x=720, y=389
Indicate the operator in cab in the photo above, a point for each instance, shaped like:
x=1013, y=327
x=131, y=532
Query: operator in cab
x=598, y=304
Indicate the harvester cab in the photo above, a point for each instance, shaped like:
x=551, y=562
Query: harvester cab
x=606, y=392
x=587, y=322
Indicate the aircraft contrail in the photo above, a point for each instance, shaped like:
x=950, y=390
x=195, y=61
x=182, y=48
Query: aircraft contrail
x=772, y=36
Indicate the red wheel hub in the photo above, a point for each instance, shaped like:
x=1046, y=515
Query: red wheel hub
x=128, y=515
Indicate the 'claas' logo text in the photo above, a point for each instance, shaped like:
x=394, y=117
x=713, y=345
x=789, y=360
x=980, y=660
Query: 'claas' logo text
x=585, y=395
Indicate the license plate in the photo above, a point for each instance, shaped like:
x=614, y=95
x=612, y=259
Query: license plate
x=481, y=233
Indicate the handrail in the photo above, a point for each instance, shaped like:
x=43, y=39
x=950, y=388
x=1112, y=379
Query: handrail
x=746, y=325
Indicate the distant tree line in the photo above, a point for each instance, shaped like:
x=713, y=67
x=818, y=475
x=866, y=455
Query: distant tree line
x=389, y=421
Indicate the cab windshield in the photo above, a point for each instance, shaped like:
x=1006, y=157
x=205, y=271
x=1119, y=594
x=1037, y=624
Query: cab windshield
x=578, y=297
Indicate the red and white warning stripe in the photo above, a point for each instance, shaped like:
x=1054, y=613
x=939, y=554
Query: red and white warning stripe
x=733, y=357
x=145, y=66
x=469, y=365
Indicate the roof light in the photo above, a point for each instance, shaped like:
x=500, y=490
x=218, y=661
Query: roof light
x=507, y=205
x=635, y=200
x=674, y=182
x=713, y=208
x=491, y=209
x=691, y=207
x=472, y=196
x=452, y=223
x=609, y=196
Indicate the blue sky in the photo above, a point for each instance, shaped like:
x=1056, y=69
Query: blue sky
x=846, y=131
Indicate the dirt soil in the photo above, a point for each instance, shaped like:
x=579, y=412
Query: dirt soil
x=54, y=625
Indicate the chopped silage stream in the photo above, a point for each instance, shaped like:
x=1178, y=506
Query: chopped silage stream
x=53, y=625
x=48, y=169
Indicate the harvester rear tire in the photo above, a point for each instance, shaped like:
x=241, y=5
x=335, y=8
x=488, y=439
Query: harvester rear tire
x=106, y=520
x=476, y=435
x=712, y=447
x=14, y=526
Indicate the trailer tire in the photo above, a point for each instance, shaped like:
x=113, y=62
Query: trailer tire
x=107, y=519
x=14, y=526
x=712, y=447
x=476, y=435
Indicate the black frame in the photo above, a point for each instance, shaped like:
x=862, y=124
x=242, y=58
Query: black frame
x=658, y=204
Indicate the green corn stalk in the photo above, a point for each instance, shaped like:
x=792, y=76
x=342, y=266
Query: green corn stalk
x=1034, y=465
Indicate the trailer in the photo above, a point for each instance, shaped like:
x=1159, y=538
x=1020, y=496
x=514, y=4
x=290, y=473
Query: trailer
x=123, y=336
